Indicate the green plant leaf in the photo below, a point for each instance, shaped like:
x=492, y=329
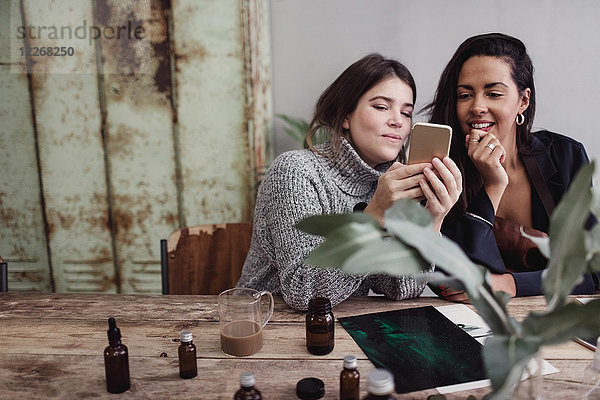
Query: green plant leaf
x=505, y=358
x=408, y=210
x=343, y=242
x=388, y=257
x=324, y=225
x=438, y=250
x=593, y=248
x=595, y=206
x=564, y=322
x=503, y=298
x=543, y=243
x=567, y=240
x=297, y=127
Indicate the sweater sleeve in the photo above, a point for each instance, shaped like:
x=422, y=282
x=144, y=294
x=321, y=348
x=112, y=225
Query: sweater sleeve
x=290, y=193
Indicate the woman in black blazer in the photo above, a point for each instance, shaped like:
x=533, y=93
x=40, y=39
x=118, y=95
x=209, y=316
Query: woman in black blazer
x=510, y=174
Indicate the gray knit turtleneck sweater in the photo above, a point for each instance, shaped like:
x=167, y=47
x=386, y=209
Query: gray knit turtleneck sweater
x=298, y=184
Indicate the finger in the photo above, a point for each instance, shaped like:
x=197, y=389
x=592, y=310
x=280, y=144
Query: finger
x=476, y=136
x=395, y=165
x=428, y=192
x=414, y=193
x=467, y=137
x=400, y=184
x=404, y=171
x=436, y=184
x=444, y=174
x=503, y=155
x=453, y=168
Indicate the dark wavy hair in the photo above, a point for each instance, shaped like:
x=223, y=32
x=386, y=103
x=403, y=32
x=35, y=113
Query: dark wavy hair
x=442, y=109
x=341, y=97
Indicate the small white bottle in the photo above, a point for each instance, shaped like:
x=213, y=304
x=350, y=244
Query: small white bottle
x=591, y=376
x=380, y=385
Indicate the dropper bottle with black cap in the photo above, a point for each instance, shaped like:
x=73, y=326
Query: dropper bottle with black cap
x=116, y=360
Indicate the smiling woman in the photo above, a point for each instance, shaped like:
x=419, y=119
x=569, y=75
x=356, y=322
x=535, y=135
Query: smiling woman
x=513, y=177
x=366, y=115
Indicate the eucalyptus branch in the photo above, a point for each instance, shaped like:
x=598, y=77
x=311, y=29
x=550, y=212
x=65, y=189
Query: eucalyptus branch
x=357, y=245
x=499, y=311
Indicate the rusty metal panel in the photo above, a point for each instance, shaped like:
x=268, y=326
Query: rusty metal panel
x=214, y=150
x=139, y=126
x=257, y=49
x=22, y=237
x=129, y=154
x=72, y=164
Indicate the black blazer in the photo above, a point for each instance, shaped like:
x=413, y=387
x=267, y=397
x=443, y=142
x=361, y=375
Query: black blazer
x=559, y=158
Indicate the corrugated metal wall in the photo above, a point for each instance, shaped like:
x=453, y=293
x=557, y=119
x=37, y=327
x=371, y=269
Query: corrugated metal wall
x=106, y=151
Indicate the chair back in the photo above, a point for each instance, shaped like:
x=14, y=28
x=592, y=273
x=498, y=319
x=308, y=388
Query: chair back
x=204, y=259
x=3, y=276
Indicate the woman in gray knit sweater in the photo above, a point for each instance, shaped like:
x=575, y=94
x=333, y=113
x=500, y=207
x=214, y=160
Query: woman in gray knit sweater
x=366, y=114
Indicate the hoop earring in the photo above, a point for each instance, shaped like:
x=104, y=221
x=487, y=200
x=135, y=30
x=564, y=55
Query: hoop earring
x=520, y=119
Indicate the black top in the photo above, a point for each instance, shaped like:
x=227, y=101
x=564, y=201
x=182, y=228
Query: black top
x=559, y=158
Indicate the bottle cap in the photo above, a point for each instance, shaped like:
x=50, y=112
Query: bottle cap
x=596, y=364
x=349, y=362
x=380, y=382
x=310, y=389
x=247, y=379
x=186, y=336
x=319, y=304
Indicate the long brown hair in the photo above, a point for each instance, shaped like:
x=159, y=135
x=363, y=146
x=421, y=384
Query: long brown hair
x=442, y=109
x=341, y=97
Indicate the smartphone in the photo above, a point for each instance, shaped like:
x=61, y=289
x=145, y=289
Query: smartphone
x=428, y=141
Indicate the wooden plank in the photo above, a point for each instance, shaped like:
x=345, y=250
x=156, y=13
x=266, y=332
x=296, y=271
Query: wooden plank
x=27, y=376
x=137, y=92
x=67, y=116
x=171, y=307
x=214, y=147
x=22, y=237
x=202, y=307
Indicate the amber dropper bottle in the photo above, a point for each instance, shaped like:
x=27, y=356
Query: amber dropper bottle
x=116, y=360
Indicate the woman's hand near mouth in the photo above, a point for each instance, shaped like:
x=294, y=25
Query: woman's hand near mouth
x=487, y=153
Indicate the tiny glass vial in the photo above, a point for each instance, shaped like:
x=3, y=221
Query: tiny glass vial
x=380, y=385
x=349, y=380
x=116, y=360
x=247, y=390
x=591, y=376
x=188, y=367
x=320, y=326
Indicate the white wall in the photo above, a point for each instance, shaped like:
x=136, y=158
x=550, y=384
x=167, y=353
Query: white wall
x=315, y=40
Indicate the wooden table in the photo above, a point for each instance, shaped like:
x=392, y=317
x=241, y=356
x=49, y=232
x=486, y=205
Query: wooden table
x=51, y=347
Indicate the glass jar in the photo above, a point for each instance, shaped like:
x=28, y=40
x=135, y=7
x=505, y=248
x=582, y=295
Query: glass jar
x=320, y=324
